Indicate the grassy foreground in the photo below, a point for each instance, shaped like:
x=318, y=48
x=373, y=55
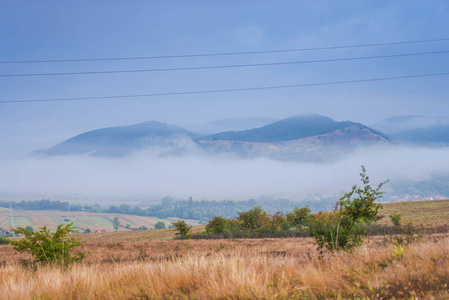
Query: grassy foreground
x=235, y=269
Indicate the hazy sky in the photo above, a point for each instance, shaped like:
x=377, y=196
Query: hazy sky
x=51, y=30
x=42, y=30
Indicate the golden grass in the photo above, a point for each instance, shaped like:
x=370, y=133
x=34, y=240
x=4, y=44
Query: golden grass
x=235, y=269
x=135, y=236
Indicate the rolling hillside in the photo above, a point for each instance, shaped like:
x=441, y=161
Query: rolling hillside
x=304, y=138
x=82, y=221
x=294, y=128
x=428, y=213
x=121, y=141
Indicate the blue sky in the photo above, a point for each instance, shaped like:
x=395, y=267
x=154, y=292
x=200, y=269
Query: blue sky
x=40, y=30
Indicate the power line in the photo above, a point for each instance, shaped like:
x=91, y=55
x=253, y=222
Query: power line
x=225, y=90
x=223, y=54
x=225, y=66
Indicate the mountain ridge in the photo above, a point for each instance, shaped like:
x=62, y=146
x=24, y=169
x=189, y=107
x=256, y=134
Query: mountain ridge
x=302, y=137
x=299, y=127
x=120, y=140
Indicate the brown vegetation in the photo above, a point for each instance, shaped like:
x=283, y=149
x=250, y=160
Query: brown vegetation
x=237, y=269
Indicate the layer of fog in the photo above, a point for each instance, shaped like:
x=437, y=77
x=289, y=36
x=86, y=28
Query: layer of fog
x=149, y=176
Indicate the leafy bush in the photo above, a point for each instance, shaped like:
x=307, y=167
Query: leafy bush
x=182, y=229
x=344, y=227
x=336, y=230
x=47, y=248
x=4, y=241
x=299, y=217
x=254, y=218
x=217, y=225
x=160, y=225
x=396, y=219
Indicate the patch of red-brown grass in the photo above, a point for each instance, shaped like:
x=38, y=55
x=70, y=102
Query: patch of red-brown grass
x=235, y=269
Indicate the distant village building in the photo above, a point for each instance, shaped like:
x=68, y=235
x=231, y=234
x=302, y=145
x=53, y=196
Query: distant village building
x=99, y=231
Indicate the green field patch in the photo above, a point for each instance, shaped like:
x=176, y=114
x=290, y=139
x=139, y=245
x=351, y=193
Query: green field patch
x=18, y=222
x=79, y=221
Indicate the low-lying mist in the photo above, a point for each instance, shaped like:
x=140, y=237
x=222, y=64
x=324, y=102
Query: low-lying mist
x=149, y=176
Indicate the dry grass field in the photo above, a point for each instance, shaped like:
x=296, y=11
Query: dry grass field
x=135, y=236
x=235, y=269
x=149, y=265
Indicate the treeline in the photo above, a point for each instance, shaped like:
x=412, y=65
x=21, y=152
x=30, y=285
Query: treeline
x=184, y=209
x=44, y=204
x=257, y=223
x=206, y=210
x=342, y=228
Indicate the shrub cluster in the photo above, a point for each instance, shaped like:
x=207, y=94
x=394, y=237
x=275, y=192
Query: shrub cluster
x=49, y=248
x=257, y=223
x=342, y=228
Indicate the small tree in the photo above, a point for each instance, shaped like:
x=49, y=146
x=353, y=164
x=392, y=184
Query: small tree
x=47, y=248
x=299, y=217
x=359, y=204
x=160, y=225
x=116, y=223
x=344, y=227
x=183, y=230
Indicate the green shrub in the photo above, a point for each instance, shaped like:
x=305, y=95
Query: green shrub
x=254, y=218
x=396, y=219
x=47, y=248
x=336, y=230
x=344, y=227
x=160, y=225
x=359, y=204
x=299, y=217
x=4, y=241
x=217, y=225
x=182, y=229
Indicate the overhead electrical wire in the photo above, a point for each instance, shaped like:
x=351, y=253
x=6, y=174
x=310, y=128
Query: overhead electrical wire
x=224, y=66
x=225, y=90
x=222, y=54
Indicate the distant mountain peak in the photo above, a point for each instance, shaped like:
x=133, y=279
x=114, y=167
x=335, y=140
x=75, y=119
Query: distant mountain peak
x=293, y=128
x=120, y=140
